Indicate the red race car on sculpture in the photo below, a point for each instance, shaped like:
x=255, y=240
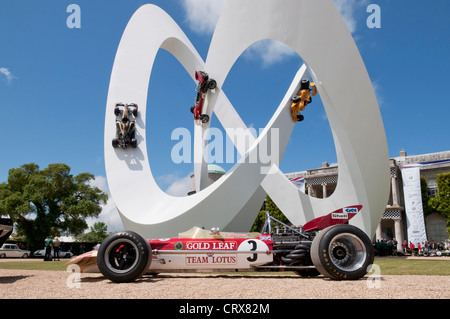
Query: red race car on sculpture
x=327, y=245
x=204, y=84
x=125, y=125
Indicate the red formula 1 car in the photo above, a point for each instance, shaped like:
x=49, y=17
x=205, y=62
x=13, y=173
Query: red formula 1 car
x=327, y=245
x=204, y=84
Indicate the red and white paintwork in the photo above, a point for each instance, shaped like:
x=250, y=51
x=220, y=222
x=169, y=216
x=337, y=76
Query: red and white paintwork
x=233, y=251
x=223, y=252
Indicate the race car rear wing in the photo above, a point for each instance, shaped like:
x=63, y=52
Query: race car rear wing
x=339, y=216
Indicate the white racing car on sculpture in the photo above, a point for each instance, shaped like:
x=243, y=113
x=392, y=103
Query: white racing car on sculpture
x=327, y=245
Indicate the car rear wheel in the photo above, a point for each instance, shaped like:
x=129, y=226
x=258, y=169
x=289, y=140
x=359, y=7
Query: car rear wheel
x=204, y=118
x=342, y=252
x=212, y=84
x=124, y=256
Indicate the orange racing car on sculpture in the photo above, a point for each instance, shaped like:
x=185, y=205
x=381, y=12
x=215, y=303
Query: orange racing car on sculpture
x=302, y=99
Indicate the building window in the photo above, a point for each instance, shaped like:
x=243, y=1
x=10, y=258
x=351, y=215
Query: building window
x=432, y=191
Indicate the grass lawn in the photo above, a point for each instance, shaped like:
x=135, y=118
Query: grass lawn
x=403, y=266
x=35, y=264
x=388, y=266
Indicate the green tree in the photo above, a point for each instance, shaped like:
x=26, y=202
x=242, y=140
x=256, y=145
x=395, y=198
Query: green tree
x=425, y=198
x=274, y=212
x=97, y=233
x=441, y=203
x=49, y=202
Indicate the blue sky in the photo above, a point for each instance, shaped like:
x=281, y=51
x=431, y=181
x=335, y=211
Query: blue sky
x=54, y=82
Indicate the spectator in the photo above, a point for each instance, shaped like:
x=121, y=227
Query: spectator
x=405, y=246
x=56, y=245
x=48, y=248
x=411, y=247
x=395, y=244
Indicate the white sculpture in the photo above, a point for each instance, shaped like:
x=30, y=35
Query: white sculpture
x=316, y=31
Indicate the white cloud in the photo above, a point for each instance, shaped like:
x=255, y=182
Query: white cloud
x=202, y=15
x=269, y=51
x=347, y=9
x=168, y=179
x=180, y=187
x=7, y=74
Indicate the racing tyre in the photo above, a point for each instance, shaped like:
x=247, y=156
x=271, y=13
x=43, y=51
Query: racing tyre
x=115, y=143
x=300, y=117
x=116, y=111
x=133, y=143
x=342, y=252
x=304, y=84
x=204, y=118
x=212, y=84
x=124, y=256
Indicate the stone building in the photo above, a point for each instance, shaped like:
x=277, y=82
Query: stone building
x=322, y=182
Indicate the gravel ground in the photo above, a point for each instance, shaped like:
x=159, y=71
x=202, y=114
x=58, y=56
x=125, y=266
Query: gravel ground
x=21, y=284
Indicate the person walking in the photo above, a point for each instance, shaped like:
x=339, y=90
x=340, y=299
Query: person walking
x=48, y=248
x=56, y=246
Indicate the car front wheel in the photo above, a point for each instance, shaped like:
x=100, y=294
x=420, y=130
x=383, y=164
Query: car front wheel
x=342, y=252
x=124, y=256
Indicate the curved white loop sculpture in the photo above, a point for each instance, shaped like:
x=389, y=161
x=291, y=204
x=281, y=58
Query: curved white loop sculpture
x=315, y=30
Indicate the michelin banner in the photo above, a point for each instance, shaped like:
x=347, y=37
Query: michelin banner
x=413, y=204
